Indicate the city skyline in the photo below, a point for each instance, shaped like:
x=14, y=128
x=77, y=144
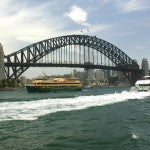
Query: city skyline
x=123, y=23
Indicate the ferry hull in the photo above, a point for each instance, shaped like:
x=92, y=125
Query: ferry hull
x=51, y=89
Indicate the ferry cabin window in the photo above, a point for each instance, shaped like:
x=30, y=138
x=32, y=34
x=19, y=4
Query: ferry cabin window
x=38, y=83
x=141, y=84
x=144, y=84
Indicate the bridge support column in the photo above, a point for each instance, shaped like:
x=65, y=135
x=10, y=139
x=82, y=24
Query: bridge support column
x=133, y=76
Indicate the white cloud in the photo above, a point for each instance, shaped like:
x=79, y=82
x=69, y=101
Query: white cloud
x=21, y=25
x=27, y=24
x=132, y=5
x=78, y=15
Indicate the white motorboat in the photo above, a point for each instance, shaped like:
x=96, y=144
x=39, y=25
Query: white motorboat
x=142, y=85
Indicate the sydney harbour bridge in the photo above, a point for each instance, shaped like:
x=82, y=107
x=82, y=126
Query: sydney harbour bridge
x=80, y=51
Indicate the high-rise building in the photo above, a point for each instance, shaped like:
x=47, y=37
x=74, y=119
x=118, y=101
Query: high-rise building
x=2, y=69
x=145, y=66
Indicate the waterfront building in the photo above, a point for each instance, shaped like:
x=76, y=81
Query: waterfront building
x=145, y=66
x=2, y=69
x=99, y=75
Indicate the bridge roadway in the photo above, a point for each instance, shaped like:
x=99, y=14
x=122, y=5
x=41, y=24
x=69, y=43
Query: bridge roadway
x=82, y=65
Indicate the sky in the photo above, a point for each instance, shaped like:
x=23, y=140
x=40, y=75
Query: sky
x=124, y=23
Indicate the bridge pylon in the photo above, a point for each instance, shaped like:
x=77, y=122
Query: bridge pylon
x=2, y=65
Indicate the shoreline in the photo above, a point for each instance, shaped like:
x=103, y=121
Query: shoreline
x=11, y=89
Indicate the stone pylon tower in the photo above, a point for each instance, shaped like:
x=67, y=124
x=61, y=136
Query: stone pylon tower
x=2, y=65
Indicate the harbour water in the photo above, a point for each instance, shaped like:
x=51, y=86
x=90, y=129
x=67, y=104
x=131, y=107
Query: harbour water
x=92, y=119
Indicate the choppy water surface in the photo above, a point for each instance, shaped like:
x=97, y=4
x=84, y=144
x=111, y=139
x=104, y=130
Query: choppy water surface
x=96, y=118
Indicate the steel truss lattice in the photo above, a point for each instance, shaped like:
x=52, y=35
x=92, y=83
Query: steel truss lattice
x=22, y=59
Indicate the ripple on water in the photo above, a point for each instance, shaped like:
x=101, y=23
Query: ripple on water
x=134, y=136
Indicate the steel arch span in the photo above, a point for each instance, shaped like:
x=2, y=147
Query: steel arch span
x=18, y=62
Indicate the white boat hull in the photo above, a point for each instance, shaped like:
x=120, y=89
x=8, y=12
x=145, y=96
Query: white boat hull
x=142, y=85
x=136, y=89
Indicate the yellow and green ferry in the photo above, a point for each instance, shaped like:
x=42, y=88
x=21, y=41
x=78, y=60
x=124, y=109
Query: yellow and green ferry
x=54, y=84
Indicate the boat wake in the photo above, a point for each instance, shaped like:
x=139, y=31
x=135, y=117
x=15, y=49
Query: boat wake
x=31, y=110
